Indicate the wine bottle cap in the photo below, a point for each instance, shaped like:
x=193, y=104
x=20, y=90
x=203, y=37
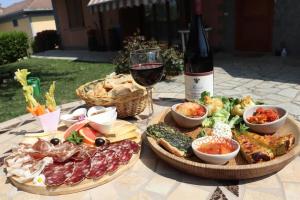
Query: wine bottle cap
x=198, y=7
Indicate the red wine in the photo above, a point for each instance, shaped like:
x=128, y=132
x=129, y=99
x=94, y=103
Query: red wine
x=198, y=58
x=147, y=74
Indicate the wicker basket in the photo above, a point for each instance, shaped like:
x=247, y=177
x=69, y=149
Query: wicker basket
x=127, y=105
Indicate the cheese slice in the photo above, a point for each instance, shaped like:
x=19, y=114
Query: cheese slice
x=122, y=129
x=37, y=135
x=117, y=138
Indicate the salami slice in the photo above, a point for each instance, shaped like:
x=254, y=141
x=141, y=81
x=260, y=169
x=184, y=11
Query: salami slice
x=81, y=169
x=80, y=156
x=56, y=174
x=112, y=160
x=98, y=166
x=124, y=156
x=134, y=146
x=125, y=144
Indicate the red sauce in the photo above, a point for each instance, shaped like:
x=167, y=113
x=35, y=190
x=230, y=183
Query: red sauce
x=262, y=116
x=216, y=148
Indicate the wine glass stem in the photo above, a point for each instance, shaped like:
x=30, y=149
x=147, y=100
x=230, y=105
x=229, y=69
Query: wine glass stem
x=150, y=101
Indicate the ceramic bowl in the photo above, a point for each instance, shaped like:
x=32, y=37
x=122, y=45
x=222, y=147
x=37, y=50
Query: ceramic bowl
x=269, y=127
x=74, y=117
x=95, y=110
x=103, y=122
x=217, y=159
x=184, y=121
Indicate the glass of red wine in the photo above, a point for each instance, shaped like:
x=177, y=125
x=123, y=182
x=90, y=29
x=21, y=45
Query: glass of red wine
x=147, y=69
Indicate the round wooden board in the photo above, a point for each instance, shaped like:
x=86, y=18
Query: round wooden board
x=234, y=169
x=84, y=185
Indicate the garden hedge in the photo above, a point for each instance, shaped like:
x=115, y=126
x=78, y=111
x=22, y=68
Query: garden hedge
x=13, y=46
x=46, y=40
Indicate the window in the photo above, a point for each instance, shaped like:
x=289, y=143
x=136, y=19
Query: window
x=75, y=13
x=15, y=22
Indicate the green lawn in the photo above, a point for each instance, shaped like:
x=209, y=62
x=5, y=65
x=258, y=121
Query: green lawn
x=67, y=74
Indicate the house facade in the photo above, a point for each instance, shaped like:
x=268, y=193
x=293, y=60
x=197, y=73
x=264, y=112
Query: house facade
x=236, y=25
x=29, y=16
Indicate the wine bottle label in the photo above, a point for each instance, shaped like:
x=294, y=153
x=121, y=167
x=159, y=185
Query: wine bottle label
x=195, y=84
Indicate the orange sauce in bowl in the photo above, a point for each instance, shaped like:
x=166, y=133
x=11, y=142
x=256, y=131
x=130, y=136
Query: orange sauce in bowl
x=216, y=148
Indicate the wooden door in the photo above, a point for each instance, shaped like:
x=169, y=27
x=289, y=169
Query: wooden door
x=254, y=21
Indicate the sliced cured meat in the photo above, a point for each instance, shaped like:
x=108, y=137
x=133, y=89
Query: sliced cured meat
x=134, y=146
x=125, y=144
x=42, y=146
x=64, y=152
x=81, y=169
x=102, y=148
x=98, y=166
x=112, y=159
x=91, y=151
x=124, y=156
x=56, y=174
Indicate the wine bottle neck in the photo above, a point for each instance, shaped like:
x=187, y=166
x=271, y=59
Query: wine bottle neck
x=198, y=7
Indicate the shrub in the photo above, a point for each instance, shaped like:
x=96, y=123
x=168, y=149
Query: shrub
x=173, y=59
x=45, y=40
x=13, y=46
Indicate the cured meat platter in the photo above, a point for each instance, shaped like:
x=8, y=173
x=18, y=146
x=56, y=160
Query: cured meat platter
x=236, y=168
x=86, y=168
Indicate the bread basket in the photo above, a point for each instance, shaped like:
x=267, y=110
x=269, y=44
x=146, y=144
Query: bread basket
x=128, y=105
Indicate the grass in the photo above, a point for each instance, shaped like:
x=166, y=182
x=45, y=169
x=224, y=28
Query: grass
x=68, y=76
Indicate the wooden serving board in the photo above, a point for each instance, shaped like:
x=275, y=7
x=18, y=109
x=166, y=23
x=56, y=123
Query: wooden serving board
x=84, y=185
x=236, y=168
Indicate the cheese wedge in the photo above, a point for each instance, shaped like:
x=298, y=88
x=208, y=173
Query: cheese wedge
x=129, y=135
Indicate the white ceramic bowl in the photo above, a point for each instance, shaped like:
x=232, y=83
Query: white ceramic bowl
x=184, y=121
x=218, y=159
x=95, y=109
x=103, y=121
x=269, y=127
x=70, y=119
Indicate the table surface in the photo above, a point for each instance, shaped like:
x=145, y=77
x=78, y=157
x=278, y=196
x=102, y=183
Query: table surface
x=151, y=178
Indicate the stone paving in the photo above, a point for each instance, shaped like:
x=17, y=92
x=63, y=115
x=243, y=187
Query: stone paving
x=273, y=80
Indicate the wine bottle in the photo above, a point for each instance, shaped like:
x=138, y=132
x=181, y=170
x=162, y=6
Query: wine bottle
x=198, y=58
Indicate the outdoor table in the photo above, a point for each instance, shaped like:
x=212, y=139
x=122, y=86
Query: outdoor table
x=151, y=178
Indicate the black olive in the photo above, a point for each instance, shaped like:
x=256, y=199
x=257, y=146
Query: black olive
x=99, y=142
x=54, y=141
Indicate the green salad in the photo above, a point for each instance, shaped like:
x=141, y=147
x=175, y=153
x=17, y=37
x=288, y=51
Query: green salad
x=223, y=109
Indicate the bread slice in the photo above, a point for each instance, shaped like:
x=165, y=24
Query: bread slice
x=171, y=148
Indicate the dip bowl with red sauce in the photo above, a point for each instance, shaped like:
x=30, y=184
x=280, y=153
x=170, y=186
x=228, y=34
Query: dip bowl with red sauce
x=215, y=150
x=265, y=119
x=188, y=114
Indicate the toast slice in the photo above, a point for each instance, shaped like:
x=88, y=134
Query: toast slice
x=171, y=139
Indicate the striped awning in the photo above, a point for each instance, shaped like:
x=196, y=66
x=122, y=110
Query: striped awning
x=106, y=5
